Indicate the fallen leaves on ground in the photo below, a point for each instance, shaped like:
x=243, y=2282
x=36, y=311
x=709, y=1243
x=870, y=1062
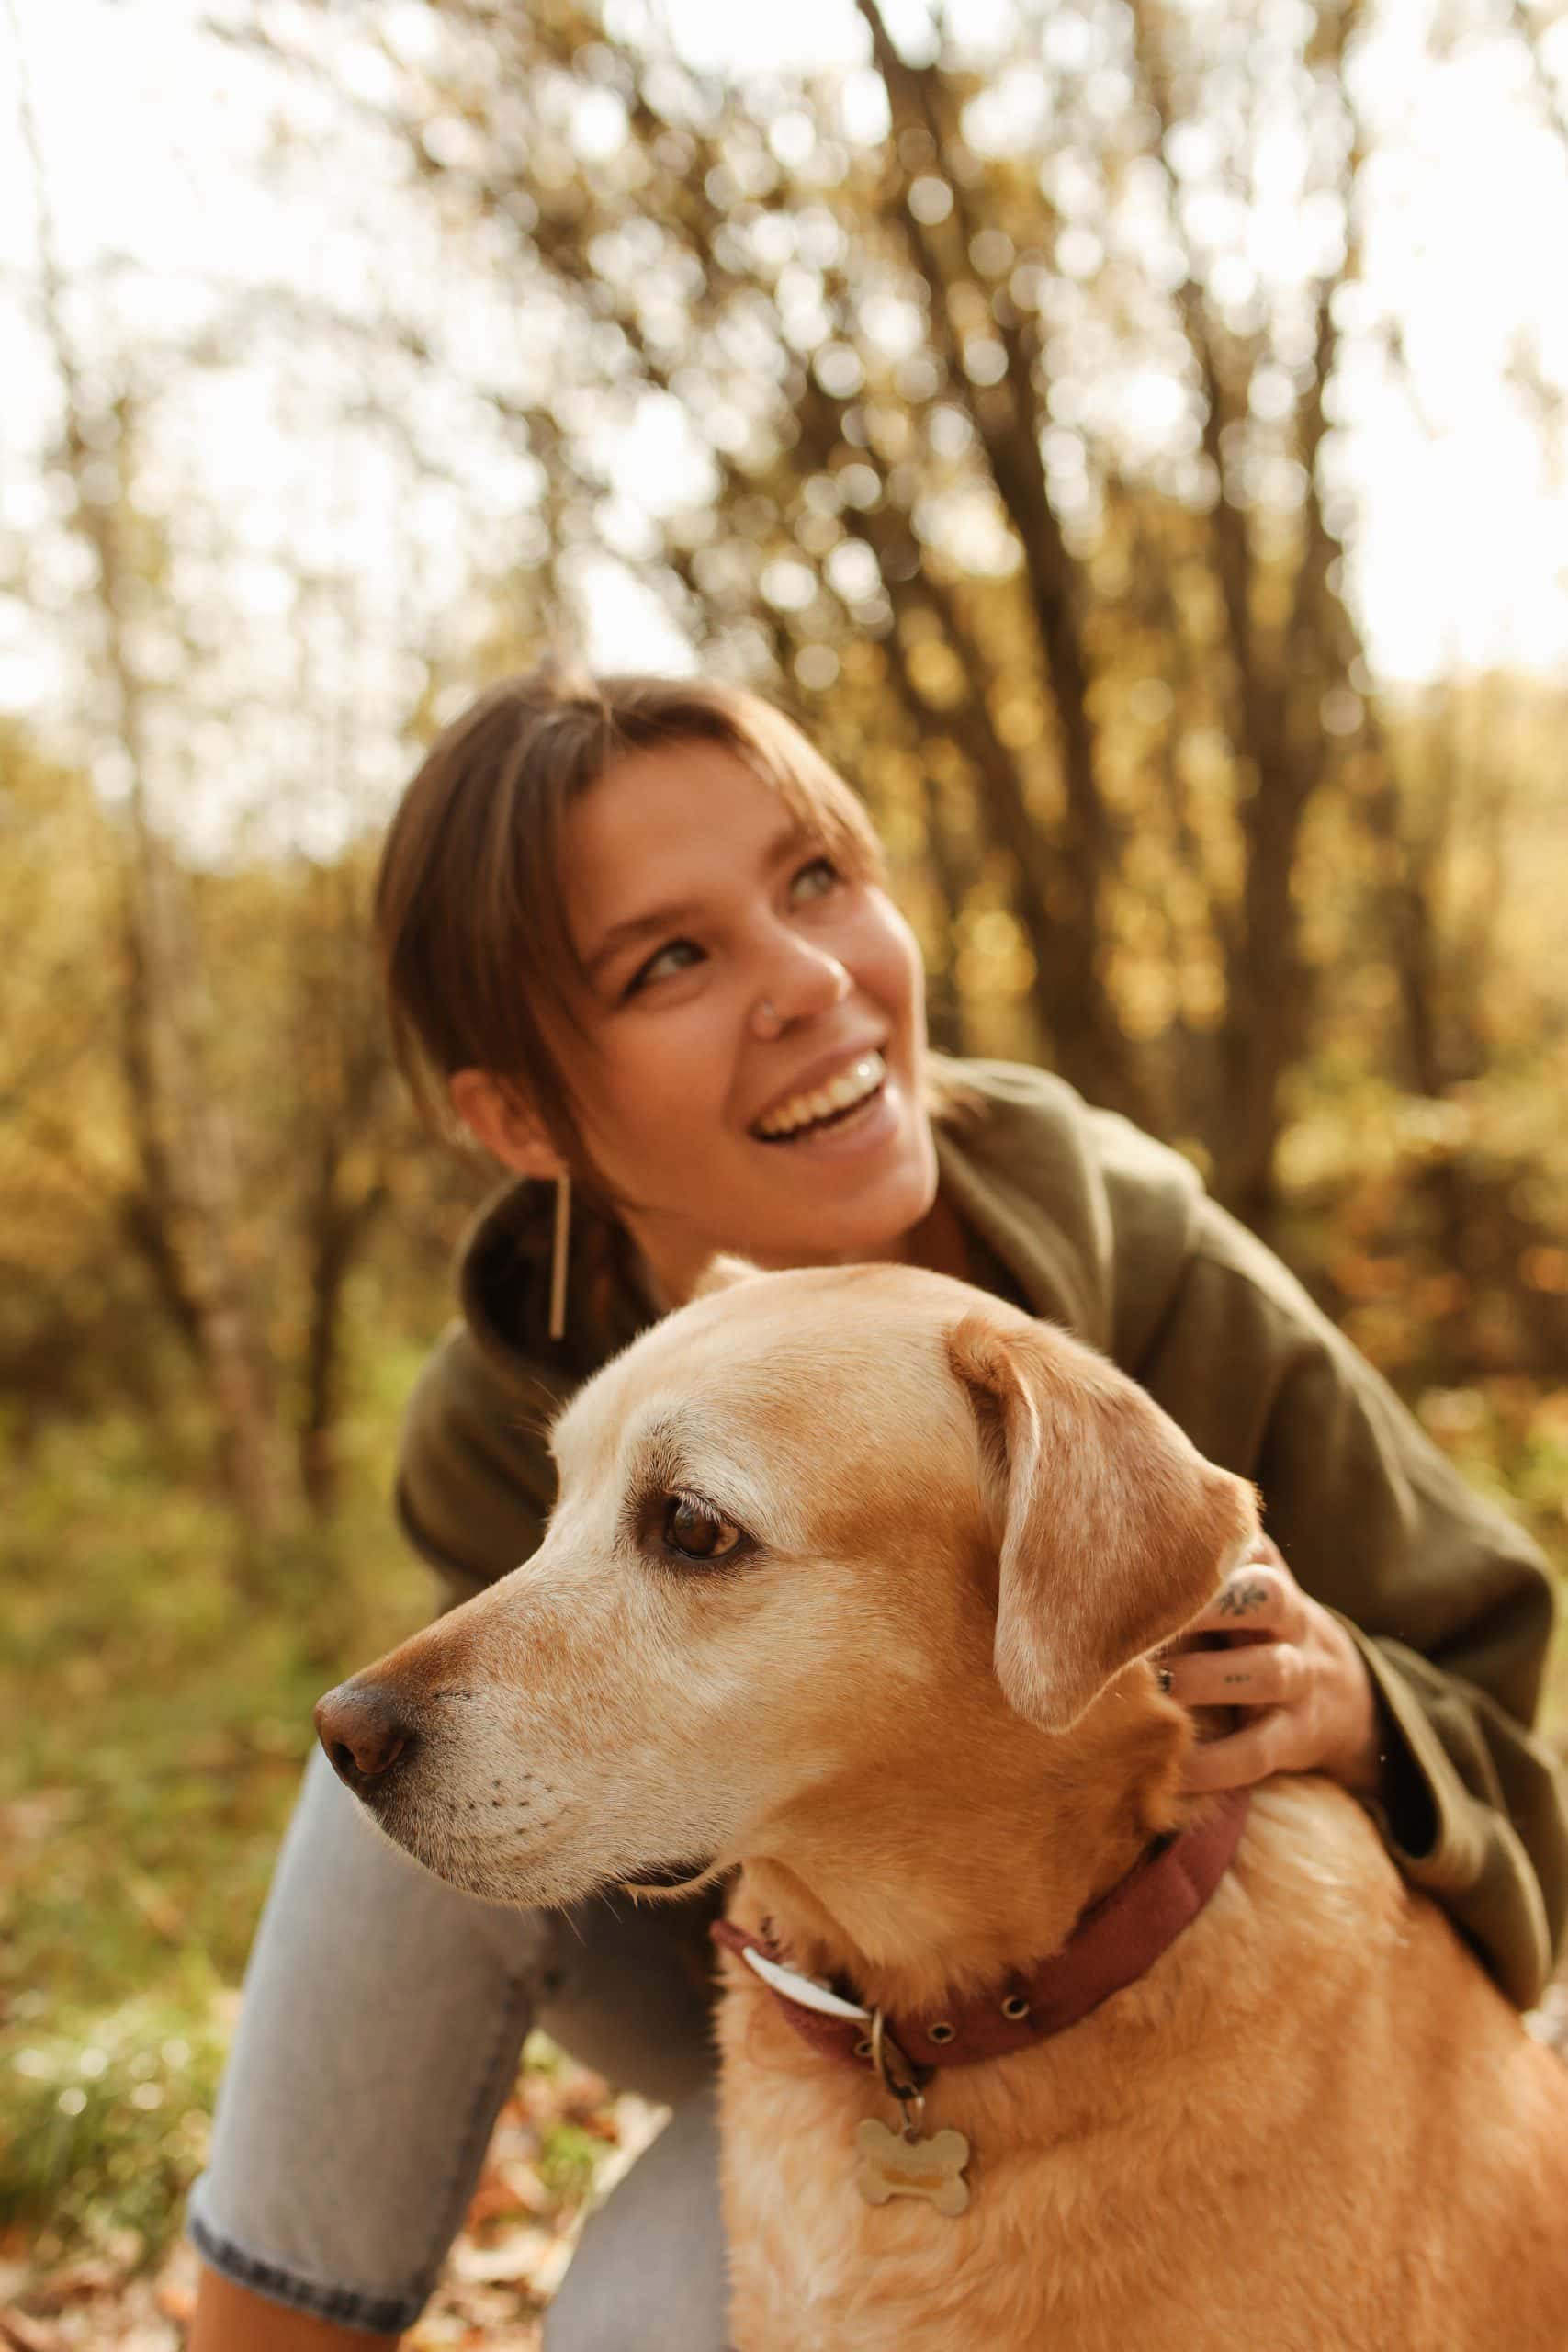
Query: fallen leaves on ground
x=561, y=2142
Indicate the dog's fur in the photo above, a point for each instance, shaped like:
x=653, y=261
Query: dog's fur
x=916, y=1707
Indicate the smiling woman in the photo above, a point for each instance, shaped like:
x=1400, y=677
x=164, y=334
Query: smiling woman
x=636, y=932
x=635, y=935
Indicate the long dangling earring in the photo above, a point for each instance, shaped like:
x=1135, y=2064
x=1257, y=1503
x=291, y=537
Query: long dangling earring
x=559, y=1255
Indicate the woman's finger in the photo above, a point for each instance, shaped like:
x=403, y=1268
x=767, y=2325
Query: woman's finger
x=1256, y=1598
x=1242, y=1760
x=1255, y=1674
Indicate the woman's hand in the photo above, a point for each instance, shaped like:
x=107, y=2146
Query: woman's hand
x=1264, y=1647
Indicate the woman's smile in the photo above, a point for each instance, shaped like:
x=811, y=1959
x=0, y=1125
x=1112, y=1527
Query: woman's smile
x=827, y=1096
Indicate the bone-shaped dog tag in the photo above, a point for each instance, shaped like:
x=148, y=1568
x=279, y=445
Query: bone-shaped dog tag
x=892, y=2166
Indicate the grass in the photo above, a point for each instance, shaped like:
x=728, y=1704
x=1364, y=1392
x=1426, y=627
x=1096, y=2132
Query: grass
x=158, y=1705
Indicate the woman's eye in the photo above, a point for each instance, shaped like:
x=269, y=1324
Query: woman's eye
x=698, y=1532
x=676, y=955
x=816, y=879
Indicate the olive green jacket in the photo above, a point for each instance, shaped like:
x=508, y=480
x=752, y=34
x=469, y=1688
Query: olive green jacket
x=1084, y=1220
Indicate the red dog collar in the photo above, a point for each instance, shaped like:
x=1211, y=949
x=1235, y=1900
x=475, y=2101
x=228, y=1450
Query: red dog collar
x=1117, y=1941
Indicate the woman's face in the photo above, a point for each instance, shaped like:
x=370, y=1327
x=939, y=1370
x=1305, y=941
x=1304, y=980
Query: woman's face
x=755, y=1023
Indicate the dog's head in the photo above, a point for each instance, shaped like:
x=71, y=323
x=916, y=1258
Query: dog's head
x=795, y=1519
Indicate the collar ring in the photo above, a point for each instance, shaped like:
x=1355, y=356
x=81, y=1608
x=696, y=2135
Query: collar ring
x=897, y=2076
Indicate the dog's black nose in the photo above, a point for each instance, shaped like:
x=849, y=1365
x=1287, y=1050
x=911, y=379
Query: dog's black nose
x=364, y=1731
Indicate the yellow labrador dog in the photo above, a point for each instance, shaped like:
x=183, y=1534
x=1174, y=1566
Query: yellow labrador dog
x=853, y=1583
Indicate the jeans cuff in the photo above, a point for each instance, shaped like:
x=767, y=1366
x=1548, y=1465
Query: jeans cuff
x=379, y=2314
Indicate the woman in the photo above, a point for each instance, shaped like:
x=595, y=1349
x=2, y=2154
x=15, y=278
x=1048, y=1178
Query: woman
x=636, y=939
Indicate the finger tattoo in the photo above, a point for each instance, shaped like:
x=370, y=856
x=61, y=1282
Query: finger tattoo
x=1239, y=1599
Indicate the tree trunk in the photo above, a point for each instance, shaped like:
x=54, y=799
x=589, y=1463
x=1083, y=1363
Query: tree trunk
x=186, y=1162
x=1069, y=934
x=337, y=1231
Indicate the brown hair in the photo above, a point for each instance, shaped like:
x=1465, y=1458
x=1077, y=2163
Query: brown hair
x=473, y=941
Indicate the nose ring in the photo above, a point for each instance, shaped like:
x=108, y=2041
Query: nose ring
x=768, y=1012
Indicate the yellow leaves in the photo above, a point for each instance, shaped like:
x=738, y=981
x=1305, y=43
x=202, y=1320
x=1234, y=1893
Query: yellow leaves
x=903, y=837
x=1362, y=1276
x=1147, y=1001
x=994, y=959
x=1545, y=1269
x=1436, y=1295
x=1203, y=992
x=938, y=674
x=1551, y=1414
x=1019, y=716
x=892, y=774
x=862, y=663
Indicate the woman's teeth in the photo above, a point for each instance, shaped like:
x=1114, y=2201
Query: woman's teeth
x=852, y=1085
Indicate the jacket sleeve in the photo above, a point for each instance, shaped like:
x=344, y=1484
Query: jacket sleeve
x=1448, y=1601
x=475, y=1481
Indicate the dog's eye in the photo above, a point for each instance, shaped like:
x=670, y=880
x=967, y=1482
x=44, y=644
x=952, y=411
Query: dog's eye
x=698, y=1532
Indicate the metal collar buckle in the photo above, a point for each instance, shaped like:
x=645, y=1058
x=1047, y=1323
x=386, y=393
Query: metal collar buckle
x=897, y=2076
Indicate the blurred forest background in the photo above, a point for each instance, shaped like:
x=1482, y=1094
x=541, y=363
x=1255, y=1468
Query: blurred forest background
x=1012, y=394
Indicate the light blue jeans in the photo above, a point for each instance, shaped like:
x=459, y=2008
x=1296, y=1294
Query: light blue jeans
x=379, y=2036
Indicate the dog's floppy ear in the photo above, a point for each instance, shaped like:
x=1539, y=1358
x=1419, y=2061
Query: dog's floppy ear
x=1114, y=1530
x=723, y=1272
